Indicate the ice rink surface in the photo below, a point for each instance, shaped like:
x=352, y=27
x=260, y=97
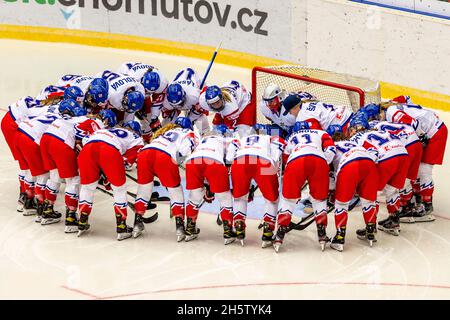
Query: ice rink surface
x=43, y=262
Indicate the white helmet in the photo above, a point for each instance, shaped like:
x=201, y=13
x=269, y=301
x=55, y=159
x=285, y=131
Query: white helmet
x=271, y=91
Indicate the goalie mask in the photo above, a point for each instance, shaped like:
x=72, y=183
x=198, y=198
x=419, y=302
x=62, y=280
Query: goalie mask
x=273, y=97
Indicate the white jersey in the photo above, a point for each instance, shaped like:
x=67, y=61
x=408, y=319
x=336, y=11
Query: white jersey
x=24, y=107
x=346, y=152
x=424, y=121
x=119, y=86
x=68, y=129
x=260, y=146
x=239, y=98
x=82, y=82
x=68, y=79
x=176, y=142
x=381, y=143
x=187, y=76
x=405, y=132
x=211, y=147
x=138, y=70
x=310, y=143
x=325, y=114
x=284, y=121
x=36, y=127
x=121, y=139
x=51, y=91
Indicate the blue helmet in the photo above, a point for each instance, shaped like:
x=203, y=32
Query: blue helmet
x=175, y=94
x=99, y=82
x=184, y=122
x=359, y=121
x=222, y=130
x=134, y=126
x=371, y=110
x=213, y=94
x=133, y=101
x=74, y=93
x=68, y=107
x=97, y=94
x=334, y=128
x=80, y=111
x=300, y=125
x=151, y=81
x=108, y=117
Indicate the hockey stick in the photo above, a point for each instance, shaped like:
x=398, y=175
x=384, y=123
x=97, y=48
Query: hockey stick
x=210, y=65
x=155, y=196
x=151, y=219
x=301, y=225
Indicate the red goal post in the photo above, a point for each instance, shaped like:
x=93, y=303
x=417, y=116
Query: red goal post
x=329, y=87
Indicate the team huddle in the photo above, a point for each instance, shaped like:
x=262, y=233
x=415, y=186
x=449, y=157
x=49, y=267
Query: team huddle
x=88, y=131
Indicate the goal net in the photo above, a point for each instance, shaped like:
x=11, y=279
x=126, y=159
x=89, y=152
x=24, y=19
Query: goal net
x=329, y=87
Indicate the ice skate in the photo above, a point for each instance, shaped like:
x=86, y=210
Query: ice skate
x=29, y=207
x=83, y=225
x=180, y=231
x=240, y=231
x=339, y=240
x=191, y=230
x=49, y=215
x=367, y=234
x=391, y=225
x=423, y=212
x=123, y=231
x=267, y=236
x=71, y=222
x=228, y=235
x=322, y=236
x=139, y=227
x=279, y=237
x=39, y=212
x=406, y=213
x=21, y=202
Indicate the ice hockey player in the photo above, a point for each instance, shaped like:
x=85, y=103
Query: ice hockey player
x=356, y=173
x=59, y=149
x=160, y=158
x=108, y=151
x=208, y=162
x=232, y=106
x=411, y=141
x=155, y=85
x=433, y=133
x=125, y=95
x=23, y=109
x=392, y=162
x=27, y=142
x=255, y=157
x=272, y=108
x=17, y=112
x=310, y=152
x=182, y=95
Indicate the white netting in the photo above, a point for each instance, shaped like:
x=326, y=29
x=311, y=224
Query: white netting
x=325, y=93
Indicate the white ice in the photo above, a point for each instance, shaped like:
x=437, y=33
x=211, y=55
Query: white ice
x=43, y=262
